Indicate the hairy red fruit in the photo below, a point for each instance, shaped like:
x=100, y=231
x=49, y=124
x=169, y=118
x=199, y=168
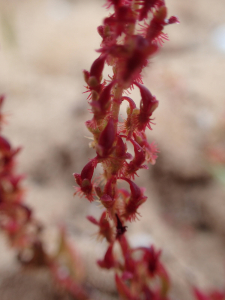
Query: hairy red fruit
x=101, y=105
x=130, y=123
x=84, y=181
x=135, y=200
x=87, y=171
x=137, y=162
x=105, y=229
x=150, y=150
x=106, y=140
x=147, y=106
x=157, y=24
x=95, y=75
x=147, y=6
x=107, y=199
x=148, y=102
x=121, y=149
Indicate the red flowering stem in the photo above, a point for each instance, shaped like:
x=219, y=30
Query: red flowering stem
x=127, y=52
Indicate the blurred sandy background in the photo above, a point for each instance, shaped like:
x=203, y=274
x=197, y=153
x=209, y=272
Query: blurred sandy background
x=45, y=44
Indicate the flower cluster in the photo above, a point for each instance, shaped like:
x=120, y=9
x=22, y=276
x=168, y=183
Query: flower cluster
x=140, y=274
x=131, y=35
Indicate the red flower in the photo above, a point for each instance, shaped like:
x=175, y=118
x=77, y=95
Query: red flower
x=150, y=150
x=133, y=202
x=130, y=124
x=137, y=162
x=95, y=75
x=147, y=106
x=84, y=181
x=105, y=229
x=107, y=197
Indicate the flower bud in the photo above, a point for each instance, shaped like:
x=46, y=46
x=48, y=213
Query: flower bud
x=87, y=171
x=173, y=20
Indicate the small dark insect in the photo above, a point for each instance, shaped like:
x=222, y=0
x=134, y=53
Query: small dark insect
x=120, y=229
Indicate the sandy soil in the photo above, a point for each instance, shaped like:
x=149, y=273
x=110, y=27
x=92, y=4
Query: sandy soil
x=45, y=44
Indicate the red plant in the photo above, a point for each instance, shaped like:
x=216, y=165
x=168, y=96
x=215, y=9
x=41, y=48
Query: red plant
x=140, y=274
x=24, y=232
